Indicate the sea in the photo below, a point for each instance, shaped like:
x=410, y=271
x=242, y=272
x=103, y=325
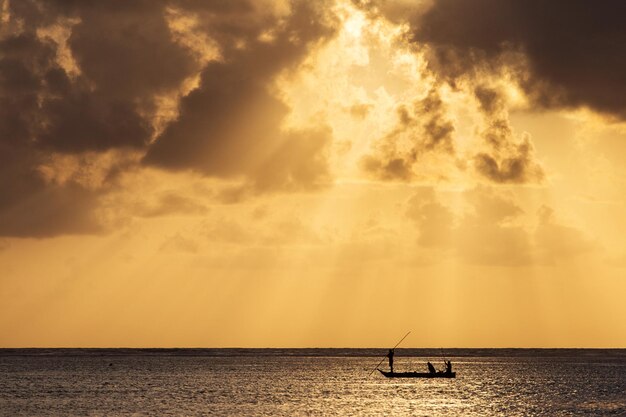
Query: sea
x=310, y=382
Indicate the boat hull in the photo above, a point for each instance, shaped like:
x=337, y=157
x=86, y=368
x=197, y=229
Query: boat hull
x=418, y=374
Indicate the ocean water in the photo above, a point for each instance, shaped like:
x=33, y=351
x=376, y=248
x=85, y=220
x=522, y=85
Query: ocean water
x=309, y=382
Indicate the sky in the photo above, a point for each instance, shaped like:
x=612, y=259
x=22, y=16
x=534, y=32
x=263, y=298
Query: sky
x=290, y=173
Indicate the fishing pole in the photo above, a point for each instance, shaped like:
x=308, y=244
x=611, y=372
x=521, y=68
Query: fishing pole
x=445, y=360
x=381, y=361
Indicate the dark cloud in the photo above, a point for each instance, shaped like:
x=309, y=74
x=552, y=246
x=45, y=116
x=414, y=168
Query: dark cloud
x=574, y=50
x=232, y=123
x=46, y=108
x=462, y=47
x=388, y=169
x=97, y=88
x=511, y=169
x=421, y=129
x=508, y=159
x=395, y=10
x=224, y=126
x=489, y=99
x=51, y=210
x=137, y=58
x=23, y=63
x=298, y=163
x=125, y=57
x=437, y=129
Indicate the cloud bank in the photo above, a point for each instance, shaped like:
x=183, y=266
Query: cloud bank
x=186, y=84
x=91, y=91
x=566, y=53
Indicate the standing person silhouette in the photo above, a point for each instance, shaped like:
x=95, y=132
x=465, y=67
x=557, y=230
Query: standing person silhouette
x=390, y=356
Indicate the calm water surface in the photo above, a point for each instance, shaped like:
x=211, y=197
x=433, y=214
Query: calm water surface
x=309, y=383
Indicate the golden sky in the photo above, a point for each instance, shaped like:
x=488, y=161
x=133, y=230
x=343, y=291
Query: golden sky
x=288, y=173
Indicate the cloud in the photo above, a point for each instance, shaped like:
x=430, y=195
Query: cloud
x=508, y=159
x=422, y=129
x=437, y=124
x=228, y=231
x=490, y=233
x=434, y=221
x=493, y=230
x=556, y=241
x=46, y=110
x=125, y=57
x=517, y=166
x=293, y=231
x=178, y=244
x=299, y=163
x=566, y=53
x=82, y=78
x=360, y=110
x=489, y=206
x=51, y=210
x=171, y=203
x=231, y=124
x=286, y=231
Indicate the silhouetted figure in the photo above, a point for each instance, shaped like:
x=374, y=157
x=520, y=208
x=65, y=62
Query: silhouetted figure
x=448, y=367
x=431, y=368
x=390, y=356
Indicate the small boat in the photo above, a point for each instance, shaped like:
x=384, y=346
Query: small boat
x=432, y=372
x=418, y=374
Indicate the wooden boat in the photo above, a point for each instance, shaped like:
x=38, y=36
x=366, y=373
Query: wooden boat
x=418, y=374
x=432, y=374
